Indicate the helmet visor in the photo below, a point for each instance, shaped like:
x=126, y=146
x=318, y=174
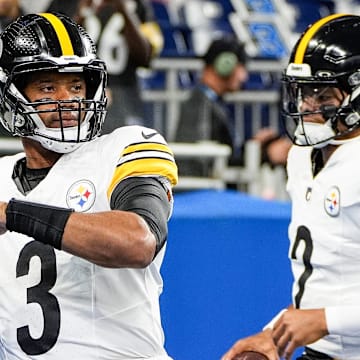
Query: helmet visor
x=312, y=102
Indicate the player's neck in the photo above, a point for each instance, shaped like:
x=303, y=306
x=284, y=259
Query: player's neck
x=327, y=151
x=38, y=157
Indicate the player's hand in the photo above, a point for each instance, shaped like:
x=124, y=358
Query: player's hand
x=3, y=206
x=298, y=328
x=261, y=342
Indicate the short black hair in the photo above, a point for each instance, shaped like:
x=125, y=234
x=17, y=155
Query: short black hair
x=226, y=43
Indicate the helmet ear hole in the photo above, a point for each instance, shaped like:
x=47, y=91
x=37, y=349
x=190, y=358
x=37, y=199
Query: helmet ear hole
x=225, y=63
x=354, y=115
x=351, y=119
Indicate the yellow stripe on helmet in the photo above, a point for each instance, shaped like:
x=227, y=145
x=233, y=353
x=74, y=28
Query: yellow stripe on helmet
x=301, y=49
x=61, y=32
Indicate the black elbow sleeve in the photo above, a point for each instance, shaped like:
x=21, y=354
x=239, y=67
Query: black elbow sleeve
x=148, y=198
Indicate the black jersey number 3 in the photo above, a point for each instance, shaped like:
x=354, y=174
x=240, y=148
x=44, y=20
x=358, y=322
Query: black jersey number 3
x=303, y=234
x=40, y=294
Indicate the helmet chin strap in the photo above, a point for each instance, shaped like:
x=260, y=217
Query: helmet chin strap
x=58, y=145
x=320, y=135
x=314, y=134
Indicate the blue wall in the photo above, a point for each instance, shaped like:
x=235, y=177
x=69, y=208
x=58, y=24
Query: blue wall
x=226, y=271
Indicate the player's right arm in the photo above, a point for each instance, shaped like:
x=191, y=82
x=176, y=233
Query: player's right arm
x=128, y=235
x=112, y=238
x=298, y=327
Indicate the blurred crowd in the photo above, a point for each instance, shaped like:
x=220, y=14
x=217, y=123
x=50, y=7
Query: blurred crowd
x=130, y=34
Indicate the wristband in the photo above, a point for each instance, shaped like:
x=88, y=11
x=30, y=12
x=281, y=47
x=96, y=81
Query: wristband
x=271, y=323
x=44, y=223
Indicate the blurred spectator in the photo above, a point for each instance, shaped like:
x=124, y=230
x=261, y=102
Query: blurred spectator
x=37, y=6
x=69, y=8
x=127, y=38
x=9, y=11
x=204, y=115
x=274, y=146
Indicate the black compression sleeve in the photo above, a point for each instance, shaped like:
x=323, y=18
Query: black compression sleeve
x=148, y=198
x=42, y=222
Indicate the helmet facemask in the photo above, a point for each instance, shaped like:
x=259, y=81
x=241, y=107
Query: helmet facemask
x=324, y=103
x=22, y=117
x=321, y=84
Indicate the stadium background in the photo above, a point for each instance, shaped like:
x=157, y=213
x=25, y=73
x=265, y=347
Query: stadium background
x=226, y=271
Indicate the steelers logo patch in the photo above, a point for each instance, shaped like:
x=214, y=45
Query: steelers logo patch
x=81, y=196
x=332, y=201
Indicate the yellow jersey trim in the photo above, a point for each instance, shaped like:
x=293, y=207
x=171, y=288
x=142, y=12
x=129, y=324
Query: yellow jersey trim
x=146, y=147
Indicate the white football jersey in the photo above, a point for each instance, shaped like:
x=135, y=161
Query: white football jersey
x=54, y=305
x=325, y=243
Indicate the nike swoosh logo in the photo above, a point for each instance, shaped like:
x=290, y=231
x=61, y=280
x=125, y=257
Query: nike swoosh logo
x=148, y=136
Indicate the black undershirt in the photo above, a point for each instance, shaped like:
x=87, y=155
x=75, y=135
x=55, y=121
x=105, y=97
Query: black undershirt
x=317, y=161
x=27, y=179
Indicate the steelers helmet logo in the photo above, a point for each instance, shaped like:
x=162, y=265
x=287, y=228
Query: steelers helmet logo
x=332, y=201
x=81, y=196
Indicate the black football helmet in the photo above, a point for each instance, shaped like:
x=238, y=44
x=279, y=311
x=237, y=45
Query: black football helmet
x=50, y=42
x=325, y=58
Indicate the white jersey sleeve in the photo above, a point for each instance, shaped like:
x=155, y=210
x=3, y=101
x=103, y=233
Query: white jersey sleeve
x=54, y=305
x=324, y=248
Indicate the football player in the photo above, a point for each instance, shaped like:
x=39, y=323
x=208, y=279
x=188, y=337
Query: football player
x=83, y=218
x=321, y=107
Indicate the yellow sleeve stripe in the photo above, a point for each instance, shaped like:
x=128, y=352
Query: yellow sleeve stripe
x=150, y=166
x=61, y=32
x=146, y=146
x=309, y=34
x=145, y=159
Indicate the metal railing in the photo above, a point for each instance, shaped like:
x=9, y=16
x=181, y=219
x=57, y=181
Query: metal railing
x=171, y=96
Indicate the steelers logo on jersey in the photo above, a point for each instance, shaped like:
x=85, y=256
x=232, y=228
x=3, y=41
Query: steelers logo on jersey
x=332, y=201
x=81, y=196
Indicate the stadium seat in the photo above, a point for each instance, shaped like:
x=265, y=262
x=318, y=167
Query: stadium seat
x=175, y=43
x=268, y=39
x=161, y=12
x=309, y=11
x=206, y=19
x=264, y=6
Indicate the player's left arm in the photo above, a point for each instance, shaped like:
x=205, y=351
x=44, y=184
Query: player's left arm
x=130, y=235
